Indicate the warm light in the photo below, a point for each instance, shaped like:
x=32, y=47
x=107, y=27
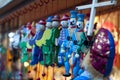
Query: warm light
x=26, y=64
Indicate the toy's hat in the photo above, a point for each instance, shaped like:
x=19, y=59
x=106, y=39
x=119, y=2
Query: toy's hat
x=42, y=22
x=103, y=52
x=80, y=17
x=49, y=19
x=73, y=14
x=65, y=17
x=56, y=18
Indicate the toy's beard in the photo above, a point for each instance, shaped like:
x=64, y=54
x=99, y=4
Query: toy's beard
x=87, y=66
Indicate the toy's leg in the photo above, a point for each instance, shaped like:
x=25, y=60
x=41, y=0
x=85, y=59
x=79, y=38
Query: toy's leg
x=40, y=55
x=34, y=55
x=56, y=55
x=48, y=59
x=60, y=59
x=67, y=66
x=76, y=69
x=24, y=57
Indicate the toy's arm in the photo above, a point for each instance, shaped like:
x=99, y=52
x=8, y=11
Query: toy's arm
x=32, y=41
x=82, y=39
x=62, y=50
x=56, y=34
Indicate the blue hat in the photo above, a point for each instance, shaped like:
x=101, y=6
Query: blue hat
x=49, y=19
x=73, y=14
x=80, y=17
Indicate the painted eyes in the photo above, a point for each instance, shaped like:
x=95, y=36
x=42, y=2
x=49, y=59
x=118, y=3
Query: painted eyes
x=72, y=22
x=79, y=25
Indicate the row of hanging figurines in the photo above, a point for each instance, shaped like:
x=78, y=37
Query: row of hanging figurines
x=56, y=42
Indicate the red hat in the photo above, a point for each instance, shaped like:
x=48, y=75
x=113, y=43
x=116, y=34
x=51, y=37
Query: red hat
x=42, y=22
x=65, y=17
x=29, y=25
x=56, y=18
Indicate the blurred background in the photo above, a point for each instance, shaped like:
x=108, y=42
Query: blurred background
x=15, y=13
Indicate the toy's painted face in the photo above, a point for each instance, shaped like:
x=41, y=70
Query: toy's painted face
x=16, y=40
x=80, y=24
x=73, y=21
x=55, y=24
x=28, y=31
x=64, y=23
x=49, y=24
x=39, y=27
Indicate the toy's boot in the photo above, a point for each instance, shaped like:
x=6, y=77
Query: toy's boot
x=75, y=71
x=60, y=59
x=67, y=69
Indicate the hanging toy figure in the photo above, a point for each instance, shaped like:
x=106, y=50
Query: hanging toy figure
x=98, y=62
x=62, y=38
x=36, y=51
x=67, y=44
x=31, y=36
x=55, y=35
x=23, y=43
x=45, y=44
x=15, y=46
x=78, y=46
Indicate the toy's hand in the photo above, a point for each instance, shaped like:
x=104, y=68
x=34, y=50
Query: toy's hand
x=76, y=55
x=62, y=51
